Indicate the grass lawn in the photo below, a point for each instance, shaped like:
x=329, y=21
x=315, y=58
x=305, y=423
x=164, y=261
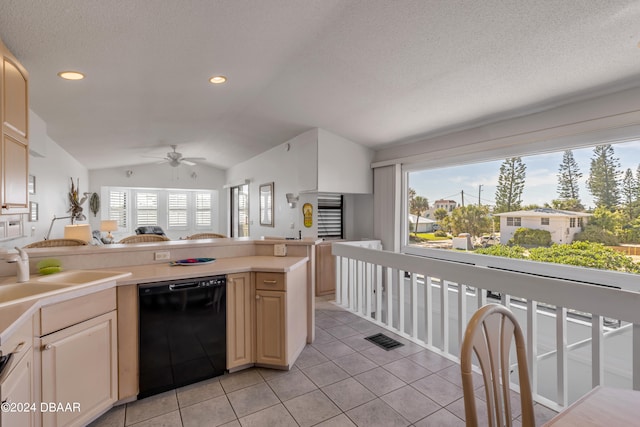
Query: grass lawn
x=426, y=236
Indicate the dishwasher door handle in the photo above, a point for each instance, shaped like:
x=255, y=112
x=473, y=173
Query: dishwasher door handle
x=178, y=287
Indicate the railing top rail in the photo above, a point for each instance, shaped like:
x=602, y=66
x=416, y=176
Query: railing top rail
x=507, y=277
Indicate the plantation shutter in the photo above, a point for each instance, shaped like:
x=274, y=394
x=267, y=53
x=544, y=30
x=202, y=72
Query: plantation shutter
x=177, y=210
x=330, y=216
x=118, y=207
x=146, y=209
x=203, y=210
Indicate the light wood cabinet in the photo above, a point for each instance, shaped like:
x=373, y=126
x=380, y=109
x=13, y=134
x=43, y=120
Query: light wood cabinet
x=325, y=270
x=271, y=329
x=240, y=320
x=78, y=351
x=16, y=391
x=281, y=317
x=14, y=112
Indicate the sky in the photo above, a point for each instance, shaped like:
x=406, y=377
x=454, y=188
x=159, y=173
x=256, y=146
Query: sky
x=540, y=183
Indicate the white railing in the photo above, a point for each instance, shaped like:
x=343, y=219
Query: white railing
x=567, y=322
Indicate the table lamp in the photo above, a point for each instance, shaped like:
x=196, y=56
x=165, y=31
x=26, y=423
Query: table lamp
x=109, y=225
x=78, y=231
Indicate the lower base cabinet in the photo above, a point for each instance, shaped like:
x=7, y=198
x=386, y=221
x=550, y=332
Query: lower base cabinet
x=79, y=367
x=16, y=391
x=270, y=328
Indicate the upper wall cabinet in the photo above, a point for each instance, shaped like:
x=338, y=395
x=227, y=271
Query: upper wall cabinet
x=14, y=111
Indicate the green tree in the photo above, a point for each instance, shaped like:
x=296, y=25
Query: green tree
x=472, y=219
x=510, y=185
x=568, y=176
x=604, y=177
x=567, y=205
x=440, y=214
x=629, y=193
x=417, y=206
x=607, y=220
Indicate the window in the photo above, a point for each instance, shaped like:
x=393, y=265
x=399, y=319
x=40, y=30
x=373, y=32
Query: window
x=240, y=211
x=203, y=210
x=146, y=209
x=514, y=221
x=572, y=222
x=118, y=207
x=580, y=222
x=544, y=221
x=184, y=211
x=178, y=210
x=330, y=216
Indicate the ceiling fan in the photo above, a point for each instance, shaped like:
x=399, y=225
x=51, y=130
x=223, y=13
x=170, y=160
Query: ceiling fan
x=175, y=158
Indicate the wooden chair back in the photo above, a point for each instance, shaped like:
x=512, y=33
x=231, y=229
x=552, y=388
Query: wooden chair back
x=490, y=334
x=206, y=236
x=56, y=242
x=143, y=238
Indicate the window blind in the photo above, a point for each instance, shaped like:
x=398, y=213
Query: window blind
x=146, y=209
x=177, y=205
x=118, y=207
x=330, y=208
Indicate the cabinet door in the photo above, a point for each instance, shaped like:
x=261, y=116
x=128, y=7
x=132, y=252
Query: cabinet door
x=79, y=366
x=14, y=173
x=325, y=270
x=240, y=308
x=17, y=391
x=271, y=327
x=14, y=97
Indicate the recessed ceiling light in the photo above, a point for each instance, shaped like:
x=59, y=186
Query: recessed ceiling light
x=216, y=80
x=71, y=75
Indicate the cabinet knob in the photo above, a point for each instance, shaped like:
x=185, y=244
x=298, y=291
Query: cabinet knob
x=47, y=347
x=257, y=296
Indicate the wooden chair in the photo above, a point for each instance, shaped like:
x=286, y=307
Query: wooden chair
x=489, y=335
x=206, y=236
x=143, y=238
x=56, y=242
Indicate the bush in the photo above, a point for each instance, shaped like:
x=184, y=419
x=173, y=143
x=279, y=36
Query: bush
x=585, y=254
x=440, y=233
x=596, y=234
x=531, y=237
x=503, y=251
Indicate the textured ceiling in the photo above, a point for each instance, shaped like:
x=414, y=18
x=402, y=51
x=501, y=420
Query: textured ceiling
x=376, y=72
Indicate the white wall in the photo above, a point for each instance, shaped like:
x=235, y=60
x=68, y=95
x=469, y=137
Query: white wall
x=293, y=168
x=343, y=166
x=163, y=176
x=53, y=174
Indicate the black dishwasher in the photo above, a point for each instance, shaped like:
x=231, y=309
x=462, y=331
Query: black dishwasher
x=182, y=333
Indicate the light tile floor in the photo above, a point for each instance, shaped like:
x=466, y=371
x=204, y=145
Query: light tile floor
x=340, y=380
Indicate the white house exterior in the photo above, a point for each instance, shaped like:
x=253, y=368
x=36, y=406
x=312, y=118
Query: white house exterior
x=563, y=225
x=425, y=225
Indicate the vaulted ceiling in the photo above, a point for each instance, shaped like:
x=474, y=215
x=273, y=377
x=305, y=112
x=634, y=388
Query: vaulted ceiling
x=378, y=72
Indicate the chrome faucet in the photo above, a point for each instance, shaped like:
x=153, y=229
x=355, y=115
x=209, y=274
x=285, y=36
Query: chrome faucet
x=22, y=261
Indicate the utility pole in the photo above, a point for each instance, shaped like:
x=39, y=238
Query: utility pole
x=462, y=192
x=479, y=191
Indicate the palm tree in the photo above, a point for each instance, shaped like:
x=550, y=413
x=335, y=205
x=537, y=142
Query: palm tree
x=417, y=206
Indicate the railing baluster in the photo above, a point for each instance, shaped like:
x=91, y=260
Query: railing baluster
x=414, y=306
x=379, y=293
x=636, y=356
x=444, y=314
x=597, y=350
x=481, y=295
x=388, y=277
x=561, y=361
x=428, y=315
x=367, y=289
x=400, y=277
x=462, y=311
x=338, y=280
x=532, y=344
x=352, y=284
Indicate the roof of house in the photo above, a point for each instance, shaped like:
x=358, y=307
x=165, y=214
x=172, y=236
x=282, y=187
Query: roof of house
x=544, y=212
x=421, y=220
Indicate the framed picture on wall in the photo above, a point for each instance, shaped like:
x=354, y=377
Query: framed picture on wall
x=266, y=205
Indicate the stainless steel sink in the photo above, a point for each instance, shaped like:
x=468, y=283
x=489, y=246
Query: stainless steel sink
x=19, y=291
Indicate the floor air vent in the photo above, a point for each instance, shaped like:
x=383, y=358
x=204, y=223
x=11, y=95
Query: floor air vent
x=381, y=340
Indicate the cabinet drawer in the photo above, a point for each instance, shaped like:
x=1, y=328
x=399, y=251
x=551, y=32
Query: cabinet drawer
x=58, y=316
x=271, y=281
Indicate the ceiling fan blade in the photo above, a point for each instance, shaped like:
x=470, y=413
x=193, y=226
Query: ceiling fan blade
x=153, y=157
x=194, y=159
x=187, y=162
x=161, y=162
